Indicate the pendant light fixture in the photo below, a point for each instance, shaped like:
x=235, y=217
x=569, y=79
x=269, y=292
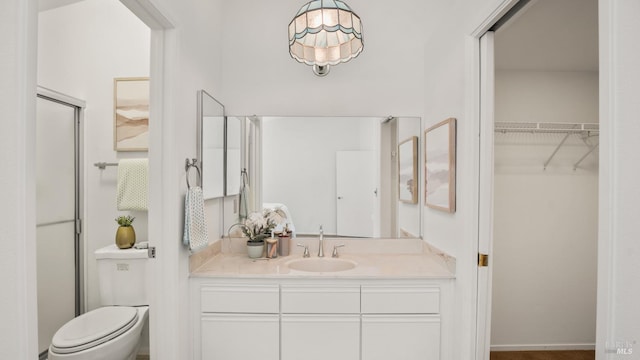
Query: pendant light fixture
x=325, y=33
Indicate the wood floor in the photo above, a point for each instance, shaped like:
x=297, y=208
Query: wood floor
x=544, y=355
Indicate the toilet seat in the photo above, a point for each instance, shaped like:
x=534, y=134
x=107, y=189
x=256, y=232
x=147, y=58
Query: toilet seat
x=94, y=328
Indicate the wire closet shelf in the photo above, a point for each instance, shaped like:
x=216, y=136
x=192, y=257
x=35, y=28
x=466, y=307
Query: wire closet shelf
x=584, y=130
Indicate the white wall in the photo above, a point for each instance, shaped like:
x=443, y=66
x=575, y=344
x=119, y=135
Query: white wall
x=545, y=221
x=81, y=48
x=309, y=146
x=618, y=245
x=448, y=81
x=553, y=96
x=18, y=308
x=261, y=78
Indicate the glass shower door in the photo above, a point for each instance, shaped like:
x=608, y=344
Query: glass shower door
x=56, y=216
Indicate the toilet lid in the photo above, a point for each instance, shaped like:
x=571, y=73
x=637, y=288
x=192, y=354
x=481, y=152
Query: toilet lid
x=93, y=328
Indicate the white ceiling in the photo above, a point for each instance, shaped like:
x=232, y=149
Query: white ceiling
x=550, y=35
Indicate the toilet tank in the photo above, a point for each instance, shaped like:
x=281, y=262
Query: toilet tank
x=122, y=275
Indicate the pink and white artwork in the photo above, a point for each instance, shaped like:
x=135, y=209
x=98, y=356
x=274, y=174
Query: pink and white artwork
x=440, y=166
x=131, y=114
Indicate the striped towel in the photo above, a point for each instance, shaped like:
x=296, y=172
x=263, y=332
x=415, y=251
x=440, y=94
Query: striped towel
x=133, y=184
x=195, y=226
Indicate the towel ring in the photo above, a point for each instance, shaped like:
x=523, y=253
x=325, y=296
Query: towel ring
x=193, y=163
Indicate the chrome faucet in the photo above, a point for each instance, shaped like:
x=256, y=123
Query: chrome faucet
x=321, y=243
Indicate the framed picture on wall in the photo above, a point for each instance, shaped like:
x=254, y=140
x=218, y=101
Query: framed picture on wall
x=440, y=165
x=131, y=114
x=408, y=170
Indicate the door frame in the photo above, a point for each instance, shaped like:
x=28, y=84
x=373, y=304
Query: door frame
x=481, y=212
x=79, y=242
x=474, y=71
x=162, y=72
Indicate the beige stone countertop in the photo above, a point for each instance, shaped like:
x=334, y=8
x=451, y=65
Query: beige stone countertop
x=380, y=266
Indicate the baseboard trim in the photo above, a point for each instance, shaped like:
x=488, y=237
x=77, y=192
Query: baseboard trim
x=543, y=347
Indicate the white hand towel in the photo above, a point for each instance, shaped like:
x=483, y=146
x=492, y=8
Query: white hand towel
x=195, y=226
x=133, y=184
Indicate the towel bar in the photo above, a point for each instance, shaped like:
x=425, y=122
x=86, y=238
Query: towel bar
x=103, y=165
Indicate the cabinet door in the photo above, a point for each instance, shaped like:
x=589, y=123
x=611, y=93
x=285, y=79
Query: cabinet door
x=320, y=337
x=240, y=337
x=406, y=337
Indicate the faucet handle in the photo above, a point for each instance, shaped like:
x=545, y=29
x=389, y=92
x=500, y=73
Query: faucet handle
x=335, y=250
x=306, y=250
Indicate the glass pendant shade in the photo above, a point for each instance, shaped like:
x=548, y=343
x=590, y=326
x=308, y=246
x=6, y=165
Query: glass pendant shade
x=325, y=32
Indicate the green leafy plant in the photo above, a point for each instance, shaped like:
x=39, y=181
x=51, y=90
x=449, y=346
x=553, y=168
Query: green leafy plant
x=125, y=220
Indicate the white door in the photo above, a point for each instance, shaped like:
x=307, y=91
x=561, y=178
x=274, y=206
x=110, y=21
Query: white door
x=57, y=238
x=356, y=193
x=485, y=228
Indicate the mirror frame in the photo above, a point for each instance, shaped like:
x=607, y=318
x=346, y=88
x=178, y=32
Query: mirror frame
x=240, y=139
x=200, y=141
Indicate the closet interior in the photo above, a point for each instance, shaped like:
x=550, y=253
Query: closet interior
x=546, y=178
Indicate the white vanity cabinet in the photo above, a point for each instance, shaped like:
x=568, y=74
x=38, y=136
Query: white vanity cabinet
x=318, y=319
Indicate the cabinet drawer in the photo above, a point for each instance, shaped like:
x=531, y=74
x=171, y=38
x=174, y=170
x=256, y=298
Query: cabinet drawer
x=406, y=337
x=224, y=336
x=257, y=299
x=400, y=300
x=320, y=299
x=320, y=337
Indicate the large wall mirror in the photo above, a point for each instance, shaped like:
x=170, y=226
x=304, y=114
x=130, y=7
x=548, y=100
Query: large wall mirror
x=341, y=172
x=211, y=138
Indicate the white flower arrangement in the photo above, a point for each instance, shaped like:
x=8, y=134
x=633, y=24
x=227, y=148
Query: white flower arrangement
x=258, y=225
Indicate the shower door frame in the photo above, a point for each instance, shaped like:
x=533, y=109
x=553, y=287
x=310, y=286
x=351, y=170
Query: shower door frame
x=78, y=109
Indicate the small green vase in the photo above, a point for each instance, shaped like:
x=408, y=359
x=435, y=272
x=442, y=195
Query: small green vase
x=125, y=237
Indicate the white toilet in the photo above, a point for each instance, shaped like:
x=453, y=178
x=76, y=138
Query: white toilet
x=112, y=331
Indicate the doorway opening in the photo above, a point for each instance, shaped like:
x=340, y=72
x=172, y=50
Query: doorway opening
x=82, y=47
x=542, y=151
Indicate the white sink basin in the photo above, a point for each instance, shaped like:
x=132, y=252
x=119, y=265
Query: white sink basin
x=321, y=265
